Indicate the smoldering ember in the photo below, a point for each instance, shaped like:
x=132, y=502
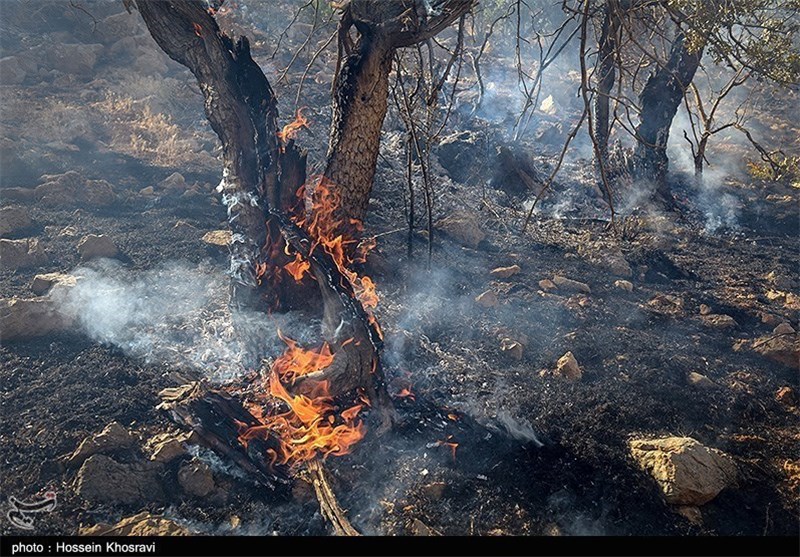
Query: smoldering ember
x=402, y=267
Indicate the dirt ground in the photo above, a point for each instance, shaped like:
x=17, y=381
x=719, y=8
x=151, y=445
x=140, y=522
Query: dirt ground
x=536, y=454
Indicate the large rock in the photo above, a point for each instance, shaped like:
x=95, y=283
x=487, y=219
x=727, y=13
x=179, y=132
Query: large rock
x=505, y=272
x=93, y=246
x=43, y=283
x=142, y=524
x=18, y=254
x=71, y=189
x=687, y=472
x=28, y=318
x=569, y=285
x=463, y=227
x=218, y=238
x=113, y=438
x=568, y=368
x=14, y=220
x=782, y=346
x=102, y=479
x=195, y=477
x=11, y=71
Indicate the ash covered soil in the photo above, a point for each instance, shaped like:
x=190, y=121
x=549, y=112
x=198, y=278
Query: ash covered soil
x=681, y=323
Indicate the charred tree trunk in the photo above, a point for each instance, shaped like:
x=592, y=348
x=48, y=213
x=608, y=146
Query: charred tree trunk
x=361, y=88
x=660, y=98
x=606, y=78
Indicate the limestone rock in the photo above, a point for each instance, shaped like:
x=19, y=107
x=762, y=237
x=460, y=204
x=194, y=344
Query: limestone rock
x=219, y=238
x=568, y=368
x=505, y=272
x=14, y=220
x=687, y=472
x=174, y=183
x=93, y=246
x=463, y=227
x=148, y=191
x=569, y=285
x=19, y=254
x=625, y=285
x=166, y=447
x=719, y=321
x=195, y=478
x=28, y=318
x=113, y=438
x=700, y=381
x=488, y=299
x=102, y=479
x=142, y=524
x=43, y=283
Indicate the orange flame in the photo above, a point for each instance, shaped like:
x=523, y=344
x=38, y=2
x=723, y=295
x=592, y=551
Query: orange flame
x=297, y=268
x=197, y=29
x=291, y=129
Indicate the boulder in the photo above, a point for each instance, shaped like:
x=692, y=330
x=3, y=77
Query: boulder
x=687, y=472
x=568, y=368
x=11, y=71
x=505, y=272
x=719, y=321
x=19, y=254
x=28, y=318
x=174, y=183
x=569, y=285
x=14, y=220
x=195, y=478
x=218, y=238
x=462, y=227
x=71, y=189
x=625, y=285
x=700, y=381
x=102, y=479
x=488, y=299
x=782, y=347
x=93, y=246
x=113, y=438
x=142, y=524
x=43, y=283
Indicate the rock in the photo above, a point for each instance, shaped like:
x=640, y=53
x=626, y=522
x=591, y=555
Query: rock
x=569, y=285
x=547, y=285
x=43, y=283
x=71, y=188
x=459, y=153
x=780, y=281
x=616, y=265
x=113, y=438
x=666, y=304
x=109, y=30
x=174, y=183
x=142, y=524
x=783, y=348
x=75, y=59
x=783, y=329
x=719, y=321
x=625, y=285
x=463, y=227
x=195, y=478
x=11, y=71
x=219, y=238
x=704, y=309
x=14, y=220
x=102, y=479
x=148, y=191
x=488, y=299
x=19, y=254
x=93, y=246
x=568, y=368
x=28, y=318
x=505, y=272
x=700, y=381
x=692, y=514
x=512, y=348
x=433, y=491
x=687, y=472
x=166, y=447
x=787, y=396
x=419, y=528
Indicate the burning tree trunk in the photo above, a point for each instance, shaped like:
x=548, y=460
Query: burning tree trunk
x=361, y=88
x=660, y=98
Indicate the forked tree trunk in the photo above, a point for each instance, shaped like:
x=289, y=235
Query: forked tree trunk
x=660, y=99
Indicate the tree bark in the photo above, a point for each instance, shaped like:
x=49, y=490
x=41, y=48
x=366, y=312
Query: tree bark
x=660, y=99
x=606, y=78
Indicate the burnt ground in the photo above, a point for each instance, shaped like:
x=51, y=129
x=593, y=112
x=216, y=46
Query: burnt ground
x=536, y=454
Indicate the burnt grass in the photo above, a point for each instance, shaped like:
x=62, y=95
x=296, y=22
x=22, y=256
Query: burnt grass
x=575, y=478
